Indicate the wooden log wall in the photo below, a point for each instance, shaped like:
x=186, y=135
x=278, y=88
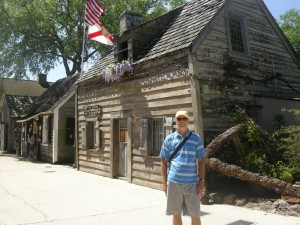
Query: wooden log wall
x=161, y=93
x=237, y=77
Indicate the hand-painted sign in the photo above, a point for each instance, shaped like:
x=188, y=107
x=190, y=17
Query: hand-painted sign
x=92, y=111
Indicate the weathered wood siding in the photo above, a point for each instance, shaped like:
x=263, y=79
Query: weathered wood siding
x=161, y=93
x=46, y=150
x=237, y=77
x=45, y=153
x=25, y=149
x=66, y=152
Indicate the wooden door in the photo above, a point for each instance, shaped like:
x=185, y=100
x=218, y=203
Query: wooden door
x=123, y=148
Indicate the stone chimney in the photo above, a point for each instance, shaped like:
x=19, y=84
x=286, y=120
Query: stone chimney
x=42, y=79
x=129, y=19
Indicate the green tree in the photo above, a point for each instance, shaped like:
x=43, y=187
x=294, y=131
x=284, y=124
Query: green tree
x=37, y=35
x=176, y=3
x=290, y=25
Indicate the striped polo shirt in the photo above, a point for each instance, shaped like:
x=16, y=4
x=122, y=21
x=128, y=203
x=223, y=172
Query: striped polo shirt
x=183, y=169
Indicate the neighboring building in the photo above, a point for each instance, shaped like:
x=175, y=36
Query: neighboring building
x=16, y=95
x=13, y=107
x=203, y=57
x=52, y=118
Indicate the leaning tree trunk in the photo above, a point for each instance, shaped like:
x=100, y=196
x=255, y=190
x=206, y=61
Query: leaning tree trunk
x=237, y=172
x=279, y=186
x=215, y=145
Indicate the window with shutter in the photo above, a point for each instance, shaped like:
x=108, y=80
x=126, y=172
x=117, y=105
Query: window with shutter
x=153, y=132
x=161, y=128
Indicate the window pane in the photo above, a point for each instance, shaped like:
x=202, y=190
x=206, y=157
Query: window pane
x=158, y=135
x=236, y=36
x=123, y=52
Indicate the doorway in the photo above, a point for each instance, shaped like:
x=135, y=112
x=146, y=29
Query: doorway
x=123, y=148
x=120, y=151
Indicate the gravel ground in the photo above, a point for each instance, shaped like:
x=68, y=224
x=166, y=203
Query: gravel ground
x=283, y=206
x=224, y=190
x=279, y=206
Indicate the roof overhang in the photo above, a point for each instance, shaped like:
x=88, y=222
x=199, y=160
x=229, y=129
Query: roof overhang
x=35, y=116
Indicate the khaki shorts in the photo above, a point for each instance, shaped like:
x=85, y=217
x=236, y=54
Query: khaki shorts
x=182, y=198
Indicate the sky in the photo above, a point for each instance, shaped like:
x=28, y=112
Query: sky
x=276, y=7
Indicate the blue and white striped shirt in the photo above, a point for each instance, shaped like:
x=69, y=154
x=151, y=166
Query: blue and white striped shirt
x=183, y=169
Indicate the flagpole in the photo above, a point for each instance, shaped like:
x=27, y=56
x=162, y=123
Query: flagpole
x=83, y=39
x=92, y=12
x=83, y=43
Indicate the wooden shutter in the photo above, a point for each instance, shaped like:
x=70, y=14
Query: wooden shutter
x=83, y=135
x=97, y=133
x=168, y=125
x=143, y=136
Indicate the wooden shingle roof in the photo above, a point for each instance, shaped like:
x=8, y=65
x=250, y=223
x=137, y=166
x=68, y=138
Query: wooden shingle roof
x=186, y=27
x=52, y=97
x=17, y=104
x=95, y=70
x=19, y=88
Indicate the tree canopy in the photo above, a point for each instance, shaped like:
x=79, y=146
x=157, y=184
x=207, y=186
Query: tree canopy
x=37, y=35
x=290, y=25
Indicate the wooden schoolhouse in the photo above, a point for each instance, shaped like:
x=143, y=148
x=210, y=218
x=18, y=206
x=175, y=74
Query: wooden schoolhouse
x=203, y=57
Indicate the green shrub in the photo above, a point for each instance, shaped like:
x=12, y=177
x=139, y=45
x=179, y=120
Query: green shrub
x=258, y=163
x=290, y=137
x=282, y=171
x=264, y=155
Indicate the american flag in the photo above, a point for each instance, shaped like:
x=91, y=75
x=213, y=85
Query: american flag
x=93, y=11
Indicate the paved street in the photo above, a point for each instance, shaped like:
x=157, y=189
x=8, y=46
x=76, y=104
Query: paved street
x=41, y=193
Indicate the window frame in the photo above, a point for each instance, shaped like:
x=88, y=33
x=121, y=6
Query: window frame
x=123, y=53
x=243, y=31
x=91, y=135
x=157, y=141
x=147, y=134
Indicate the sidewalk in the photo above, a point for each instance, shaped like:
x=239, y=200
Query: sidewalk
x=46, y=194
